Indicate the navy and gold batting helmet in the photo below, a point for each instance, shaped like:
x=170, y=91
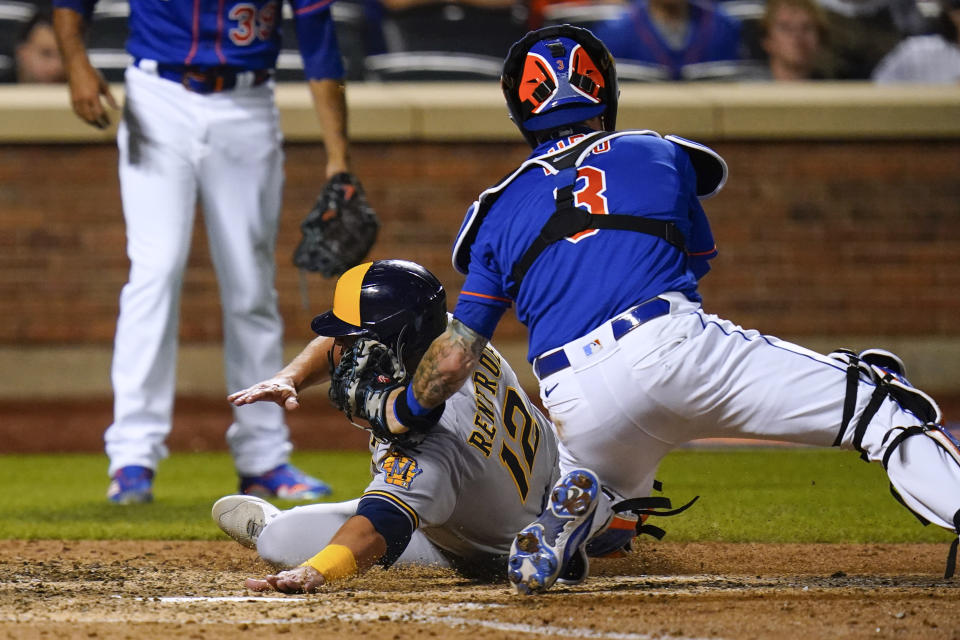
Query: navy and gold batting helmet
x=559, y=76
x=395, y=302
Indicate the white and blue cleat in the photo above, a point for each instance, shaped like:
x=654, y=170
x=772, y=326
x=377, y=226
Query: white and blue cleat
x=544, y=548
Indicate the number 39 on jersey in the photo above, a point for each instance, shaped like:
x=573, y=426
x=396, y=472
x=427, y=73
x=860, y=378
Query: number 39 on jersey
x=252, y=23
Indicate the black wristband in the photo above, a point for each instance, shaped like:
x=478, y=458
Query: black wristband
x=413, y=422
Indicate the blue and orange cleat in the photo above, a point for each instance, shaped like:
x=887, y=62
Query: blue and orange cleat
x=553, y=545
x=131, y=485
x=285, y=482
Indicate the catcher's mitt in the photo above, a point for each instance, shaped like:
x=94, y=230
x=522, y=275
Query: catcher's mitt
x=367, y=373
x=339, y=230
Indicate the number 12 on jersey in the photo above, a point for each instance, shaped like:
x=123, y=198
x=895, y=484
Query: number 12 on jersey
x=521, y=431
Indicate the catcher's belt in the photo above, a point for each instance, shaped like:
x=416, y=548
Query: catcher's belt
x=554, y=361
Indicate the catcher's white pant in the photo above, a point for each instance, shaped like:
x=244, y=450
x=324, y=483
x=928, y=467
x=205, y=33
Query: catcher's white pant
x=225, y=148
x=623, y=405
x=293, y=536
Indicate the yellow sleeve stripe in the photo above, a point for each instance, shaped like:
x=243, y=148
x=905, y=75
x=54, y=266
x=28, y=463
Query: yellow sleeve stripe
x=414, y=518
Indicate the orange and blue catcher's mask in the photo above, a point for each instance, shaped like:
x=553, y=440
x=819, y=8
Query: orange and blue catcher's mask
x=560, y=84
x=558, y=76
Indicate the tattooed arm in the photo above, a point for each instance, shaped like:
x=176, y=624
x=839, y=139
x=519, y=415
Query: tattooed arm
x=447, y=363
x=445, y=366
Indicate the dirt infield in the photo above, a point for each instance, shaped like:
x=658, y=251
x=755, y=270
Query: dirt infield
x=140, y=590
x=137, y=590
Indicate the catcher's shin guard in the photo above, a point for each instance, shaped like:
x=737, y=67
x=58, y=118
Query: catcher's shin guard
x=921, y=460
x=923, y=464
x=885, y=372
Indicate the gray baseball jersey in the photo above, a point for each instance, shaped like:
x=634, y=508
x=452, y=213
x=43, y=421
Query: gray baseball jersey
x=484, y=472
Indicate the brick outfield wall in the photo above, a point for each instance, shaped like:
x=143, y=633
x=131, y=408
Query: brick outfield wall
x=816, y=238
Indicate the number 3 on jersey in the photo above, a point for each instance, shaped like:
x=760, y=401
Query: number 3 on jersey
x=590, y=197
x=252, y=23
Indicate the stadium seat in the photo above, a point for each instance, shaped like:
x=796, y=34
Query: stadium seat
x=581, y=15
x=289, y=63
x=107, y=38
x=722, y=70
x=424, y=66
x=112, y=63
x=454, y=28
x=632, y=71
x=108, y=27
x=351, y=24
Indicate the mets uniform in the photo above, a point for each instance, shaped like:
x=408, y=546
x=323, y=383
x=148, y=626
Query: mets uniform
x=459, y=497
x=711, y=36
x=630, y=366
x=200, y=123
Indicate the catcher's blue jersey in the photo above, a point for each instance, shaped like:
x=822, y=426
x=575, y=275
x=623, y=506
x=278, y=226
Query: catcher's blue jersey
x=212, y=33
x=568, y=290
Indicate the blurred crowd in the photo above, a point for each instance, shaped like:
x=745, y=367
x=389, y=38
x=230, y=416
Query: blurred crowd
x=887, y=41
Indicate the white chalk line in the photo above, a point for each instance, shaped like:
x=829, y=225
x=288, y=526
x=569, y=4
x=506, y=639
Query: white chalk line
x=437, y=618
x=182, y=599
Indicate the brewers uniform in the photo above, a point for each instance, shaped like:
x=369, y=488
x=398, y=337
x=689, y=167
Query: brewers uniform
x=481, y=474
x=200, y=122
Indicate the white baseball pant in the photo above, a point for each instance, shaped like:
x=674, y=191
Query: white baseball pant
x=224, y=148
x=621, y=406
x=296, y=535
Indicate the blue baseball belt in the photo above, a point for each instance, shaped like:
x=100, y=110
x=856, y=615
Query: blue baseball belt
x=621, y=325
x=206, y=79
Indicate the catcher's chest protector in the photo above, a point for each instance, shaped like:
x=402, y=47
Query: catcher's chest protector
x=567, y=219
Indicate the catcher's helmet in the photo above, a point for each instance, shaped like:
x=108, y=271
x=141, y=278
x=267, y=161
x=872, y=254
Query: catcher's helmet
x=395, y=302
x=559, y=76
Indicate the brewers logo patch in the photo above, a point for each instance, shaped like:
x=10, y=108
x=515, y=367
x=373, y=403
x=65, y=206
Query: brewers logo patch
x=400, y=470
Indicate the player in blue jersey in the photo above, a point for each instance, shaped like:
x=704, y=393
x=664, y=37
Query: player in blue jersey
x=200, y=122
x=599, y=240
x=680, y=38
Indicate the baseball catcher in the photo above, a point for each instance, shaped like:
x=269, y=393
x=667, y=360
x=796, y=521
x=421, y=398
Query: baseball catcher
x=598, y=241
x=340, y=229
